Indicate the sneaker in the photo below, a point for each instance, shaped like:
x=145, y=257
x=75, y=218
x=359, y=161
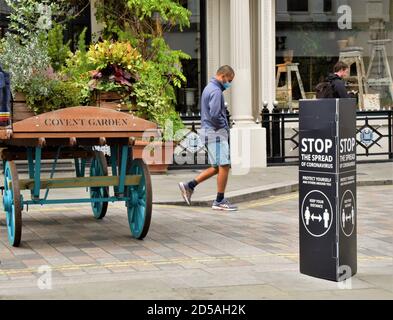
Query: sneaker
x=224, y=205
x=186, y=192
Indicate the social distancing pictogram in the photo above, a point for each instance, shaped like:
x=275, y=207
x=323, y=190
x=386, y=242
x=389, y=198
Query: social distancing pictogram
x=317, y=213
x=348, y=213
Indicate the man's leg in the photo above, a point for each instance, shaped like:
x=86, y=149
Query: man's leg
x=187, y=189
x=222, y=179
x=207, y=174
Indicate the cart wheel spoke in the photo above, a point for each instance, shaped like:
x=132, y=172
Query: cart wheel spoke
x=139, y=218
x=99, y=168
x=142, y=203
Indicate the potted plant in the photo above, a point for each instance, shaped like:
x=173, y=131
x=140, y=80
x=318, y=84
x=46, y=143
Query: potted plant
x=117, y=68
x=143, y=24
x=22, y=61
x=156, y=105
x=158, y=155
x=34, y=54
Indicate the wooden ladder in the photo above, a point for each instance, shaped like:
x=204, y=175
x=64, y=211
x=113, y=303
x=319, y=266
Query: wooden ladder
x=288, y=68
x=355, y=56
x=379, y=54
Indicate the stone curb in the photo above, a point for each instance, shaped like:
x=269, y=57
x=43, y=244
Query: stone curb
x=252, y=194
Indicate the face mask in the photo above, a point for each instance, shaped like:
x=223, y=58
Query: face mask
x=227, y=85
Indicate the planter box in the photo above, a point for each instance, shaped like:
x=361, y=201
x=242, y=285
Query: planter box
x=114, y=106
x=157, y=155
x=109, y=96
x=112, y=100
x=20, y=109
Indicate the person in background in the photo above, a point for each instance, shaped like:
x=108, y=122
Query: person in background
x=341, y=71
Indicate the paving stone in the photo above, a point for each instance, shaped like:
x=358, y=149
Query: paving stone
x=192, y=253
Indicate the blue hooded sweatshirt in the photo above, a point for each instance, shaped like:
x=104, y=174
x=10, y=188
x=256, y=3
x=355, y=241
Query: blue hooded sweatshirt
x=213, y=111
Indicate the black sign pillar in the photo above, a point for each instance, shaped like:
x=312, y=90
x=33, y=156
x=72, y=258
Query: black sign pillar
x=327, y=181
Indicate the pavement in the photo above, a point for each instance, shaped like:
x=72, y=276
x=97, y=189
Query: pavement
x=194, y=252
x=256, y=185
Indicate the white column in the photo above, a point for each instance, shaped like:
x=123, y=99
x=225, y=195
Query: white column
x=213, y=36
x=268, y=52
x=96, y=28
x=218, y=37
x=241, y=62
x=248, y=140
x=255, y=54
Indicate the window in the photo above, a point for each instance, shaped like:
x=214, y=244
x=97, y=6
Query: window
x=327, y=6
x=191, y=41
x=316, y=45
x=297, y=5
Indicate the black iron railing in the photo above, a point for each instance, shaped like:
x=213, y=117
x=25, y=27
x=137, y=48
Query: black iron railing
x=374, y=132
x=190, y=153
x=370, y=134
x=374, y=138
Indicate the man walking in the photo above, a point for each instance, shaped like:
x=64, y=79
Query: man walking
x=334, y=86
x=341, y=70
x=215, y=133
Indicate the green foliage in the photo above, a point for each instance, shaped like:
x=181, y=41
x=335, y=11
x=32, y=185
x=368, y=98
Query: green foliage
x=118, y=53
x=77, y=64
x=169, y=11
x=155, y=98
x=139, y=64
x=34, y=49
x=33, y=17
x=82, y=47
x=45, y=94
x=168, y=62
x=23, y=61
x=117, y=67
x=58, y=50
x=143, y=23
x=77, y=68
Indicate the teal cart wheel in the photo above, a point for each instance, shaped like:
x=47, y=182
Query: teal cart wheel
x=12, y=204
x=99, y=168
x=140, y=203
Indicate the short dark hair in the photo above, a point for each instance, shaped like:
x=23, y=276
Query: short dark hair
x=340, y=66
x=226, y=71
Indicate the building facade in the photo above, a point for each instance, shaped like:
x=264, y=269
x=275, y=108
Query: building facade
x=259, y=38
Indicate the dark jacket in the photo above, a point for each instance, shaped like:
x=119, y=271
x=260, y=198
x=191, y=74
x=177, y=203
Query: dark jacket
x=213, y=110
x=338, y=84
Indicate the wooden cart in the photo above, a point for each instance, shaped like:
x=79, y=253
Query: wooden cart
x=74, y=133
